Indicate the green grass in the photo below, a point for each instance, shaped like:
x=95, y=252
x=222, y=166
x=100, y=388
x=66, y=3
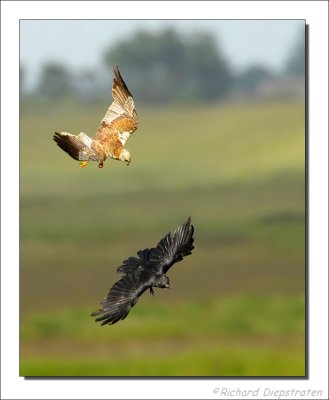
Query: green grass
x=234, y=360
x=236, y=305
x=227, y=336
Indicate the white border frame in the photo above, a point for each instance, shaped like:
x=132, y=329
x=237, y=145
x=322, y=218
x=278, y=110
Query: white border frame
x=316, y=15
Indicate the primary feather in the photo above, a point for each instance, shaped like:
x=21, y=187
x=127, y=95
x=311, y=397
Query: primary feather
x=170, y=249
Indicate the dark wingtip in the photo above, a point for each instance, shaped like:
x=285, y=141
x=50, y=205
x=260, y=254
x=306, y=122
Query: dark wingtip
x=188, y=223
x=94, y=313
x=66, y=144
x=105, y=322
x=56, y=136
x=117, y=72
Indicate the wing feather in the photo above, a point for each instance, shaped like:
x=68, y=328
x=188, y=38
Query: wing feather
x=144, y=259
x=80, y=147
x=174, y=247
x=122, y=297
x=170, y=249
x=122, y=94
x=120, y=120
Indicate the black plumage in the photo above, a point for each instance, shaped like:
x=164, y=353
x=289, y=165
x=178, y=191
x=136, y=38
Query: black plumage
x=145, y=272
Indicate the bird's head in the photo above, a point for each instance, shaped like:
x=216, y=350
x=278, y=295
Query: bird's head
x=125, y=156
x=162, y=281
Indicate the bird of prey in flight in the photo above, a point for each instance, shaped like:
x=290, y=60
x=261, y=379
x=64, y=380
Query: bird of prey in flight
x=145, y=272
x=118, y=124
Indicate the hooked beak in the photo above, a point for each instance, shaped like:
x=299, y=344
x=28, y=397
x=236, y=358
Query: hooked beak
x=128, y=162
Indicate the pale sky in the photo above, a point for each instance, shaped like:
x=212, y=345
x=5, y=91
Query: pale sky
x=79, y=44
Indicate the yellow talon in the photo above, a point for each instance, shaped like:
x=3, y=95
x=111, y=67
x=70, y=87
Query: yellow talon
x=83, y=164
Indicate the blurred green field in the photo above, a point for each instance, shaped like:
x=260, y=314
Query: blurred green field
x=236, y=307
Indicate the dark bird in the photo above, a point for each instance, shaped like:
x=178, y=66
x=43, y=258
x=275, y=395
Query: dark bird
x=145, y=272
x=118, y=124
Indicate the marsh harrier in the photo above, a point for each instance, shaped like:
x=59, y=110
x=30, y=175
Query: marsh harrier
x=145, y=272
x=118, y=124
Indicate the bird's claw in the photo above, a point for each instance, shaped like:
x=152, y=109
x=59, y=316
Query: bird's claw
x=83, y=164
x=152, y=291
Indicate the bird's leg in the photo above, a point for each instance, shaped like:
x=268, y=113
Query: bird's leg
x=83, y=164
x=100, y=164
x=151, y=291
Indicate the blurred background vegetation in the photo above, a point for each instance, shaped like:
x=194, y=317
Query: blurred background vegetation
x=166, y=66
x=227, y=149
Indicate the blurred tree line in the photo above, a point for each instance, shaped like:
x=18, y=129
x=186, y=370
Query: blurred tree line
x=295, y=65
x=165, y=67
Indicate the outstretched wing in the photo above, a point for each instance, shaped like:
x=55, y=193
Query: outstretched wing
x=120, y=120
x=144, y=259
x=122, y=296
x=174, y=246
x=80, y=147
x=171, y=249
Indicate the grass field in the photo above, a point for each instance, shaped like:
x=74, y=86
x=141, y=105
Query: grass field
x=236, y=307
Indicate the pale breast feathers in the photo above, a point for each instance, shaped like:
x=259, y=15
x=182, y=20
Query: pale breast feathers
x=120, y=120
